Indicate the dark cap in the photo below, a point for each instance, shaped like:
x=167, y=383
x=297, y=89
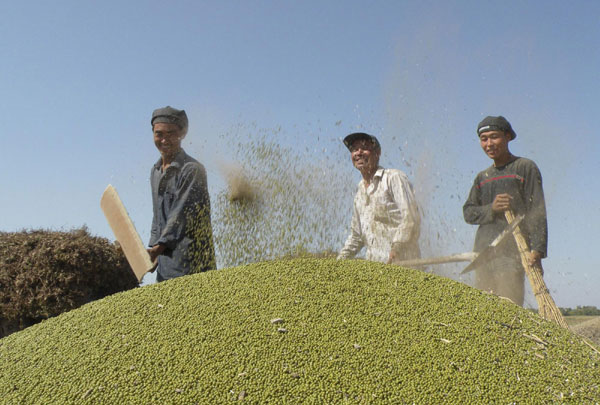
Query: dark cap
x=498, y=123
x=349, y=139
x=170, y=115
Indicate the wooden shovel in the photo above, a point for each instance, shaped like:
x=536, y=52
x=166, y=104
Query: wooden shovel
x=125, y=232
x=547, y=309
x=475, y=258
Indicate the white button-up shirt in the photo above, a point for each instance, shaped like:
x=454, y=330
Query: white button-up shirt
x=385, y=213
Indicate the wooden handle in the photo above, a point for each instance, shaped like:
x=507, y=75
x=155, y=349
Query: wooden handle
x=461, y=257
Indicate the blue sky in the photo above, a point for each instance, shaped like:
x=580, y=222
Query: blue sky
x=80, y=79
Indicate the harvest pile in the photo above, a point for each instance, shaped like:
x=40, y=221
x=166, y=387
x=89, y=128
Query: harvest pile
x=302, y=330
x=45, y=273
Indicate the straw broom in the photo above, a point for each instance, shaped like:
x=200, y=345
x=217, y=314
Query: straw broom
x=547, y=309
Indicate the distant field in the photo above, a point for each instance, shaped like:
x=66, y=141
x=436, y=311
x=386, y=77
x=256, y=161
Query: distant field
x=577, y=319
x=587, y=326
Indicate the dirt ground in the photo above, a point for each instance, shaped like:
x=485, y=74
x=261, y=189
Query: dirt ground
x=588, y=327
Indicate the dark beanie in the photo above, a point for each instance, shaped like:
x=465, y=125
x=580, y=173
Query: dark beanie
x=498, y=123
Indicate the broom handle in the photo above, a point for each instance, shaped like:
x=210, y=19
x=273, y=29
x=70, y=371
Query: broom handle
x=547, y=307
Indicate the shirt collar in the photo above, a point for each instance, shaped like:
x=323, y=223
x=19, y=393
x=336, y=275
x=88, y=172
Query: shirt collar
x=376, y=178
x=178, y=162
x=379, y=172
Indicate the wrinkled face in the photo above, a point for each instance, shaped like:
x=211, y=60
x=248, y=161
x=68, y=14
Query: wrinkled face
x=364, y=155
x=495, y=144
x=167, y=138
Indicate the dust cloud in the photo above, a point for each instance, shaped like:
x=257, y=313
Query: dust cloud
x=289, y=197
x=279, y=200
x=240, y=188
x=286, y=197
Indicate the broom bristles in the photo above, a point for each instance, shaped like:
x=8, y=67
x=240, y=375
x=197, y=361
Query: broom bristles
x=547, y=309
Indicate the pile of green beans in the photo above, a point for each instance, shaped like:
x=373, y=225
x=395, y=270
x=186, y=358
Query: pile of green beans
x=299, y=331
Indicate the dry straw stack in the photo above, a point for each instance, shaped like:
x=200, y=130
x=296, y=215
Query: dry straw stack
x=547, y=309
x=44, y=273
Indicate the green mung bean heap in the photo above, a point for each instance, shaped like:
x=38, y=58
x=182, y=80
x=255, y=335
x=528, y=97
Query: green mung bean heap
x=301, y=330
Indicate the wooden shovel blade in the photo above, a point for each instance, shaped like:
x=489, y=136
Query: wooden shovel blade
x=489, y=252
x=125, y=232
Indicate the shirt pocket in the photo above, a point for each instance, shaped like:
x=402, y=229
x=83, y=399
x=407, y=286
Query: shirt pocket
x=169, y=198
x=384, y=208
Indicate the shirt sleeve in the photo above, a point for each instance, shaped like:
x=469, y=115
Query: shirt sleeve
x=536, y=220
x=354, y=242
x=190, y=196
x=410, y=220
x=474, y=212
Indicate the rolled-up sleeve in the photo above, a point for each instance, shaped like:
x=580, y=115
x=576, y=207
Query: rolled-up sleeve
x=354, y=242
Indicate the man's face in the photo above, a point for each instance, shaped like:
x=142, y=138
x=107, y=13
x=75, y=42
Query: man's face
x=495, y=144
x=364, y=155
x=167, y=138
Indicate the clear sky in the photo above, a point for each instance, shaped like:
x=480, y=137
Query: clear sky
x=79, y=80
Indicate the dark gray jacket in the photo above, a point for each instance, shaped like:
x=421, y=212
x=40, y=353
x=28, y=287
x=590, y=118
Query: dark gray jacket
x=181, y=218
x=522, y=179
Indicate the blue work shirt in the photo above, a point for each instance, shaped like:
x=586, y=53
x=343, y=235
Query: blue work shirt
x=181, y=220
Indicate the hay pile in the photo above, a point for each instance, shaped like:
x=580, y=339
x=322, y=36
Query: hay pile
x=302, y=330
x=45, y=273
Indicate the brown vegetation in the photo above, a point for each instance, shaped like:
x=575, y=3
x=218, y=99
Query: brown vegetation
x=44, y=273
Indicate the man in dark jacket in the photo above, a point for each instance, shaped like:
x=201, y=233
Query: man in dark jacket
x=181, y=237
x=510, y=183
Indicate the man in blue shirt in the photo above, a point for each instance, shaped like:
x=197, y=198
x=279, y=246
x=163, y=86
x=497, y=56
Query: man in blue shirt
x=181, y=237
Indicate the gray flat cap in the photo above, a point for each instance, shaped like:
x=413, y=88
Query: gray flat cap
x=170, y=115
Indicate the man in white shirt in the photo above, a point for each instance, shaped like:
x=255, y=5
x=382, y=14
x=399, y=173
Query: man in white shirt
x=386, y=217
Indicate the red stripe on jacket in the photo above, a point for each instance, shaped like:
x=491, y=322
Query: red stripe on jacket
x=508, y=176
